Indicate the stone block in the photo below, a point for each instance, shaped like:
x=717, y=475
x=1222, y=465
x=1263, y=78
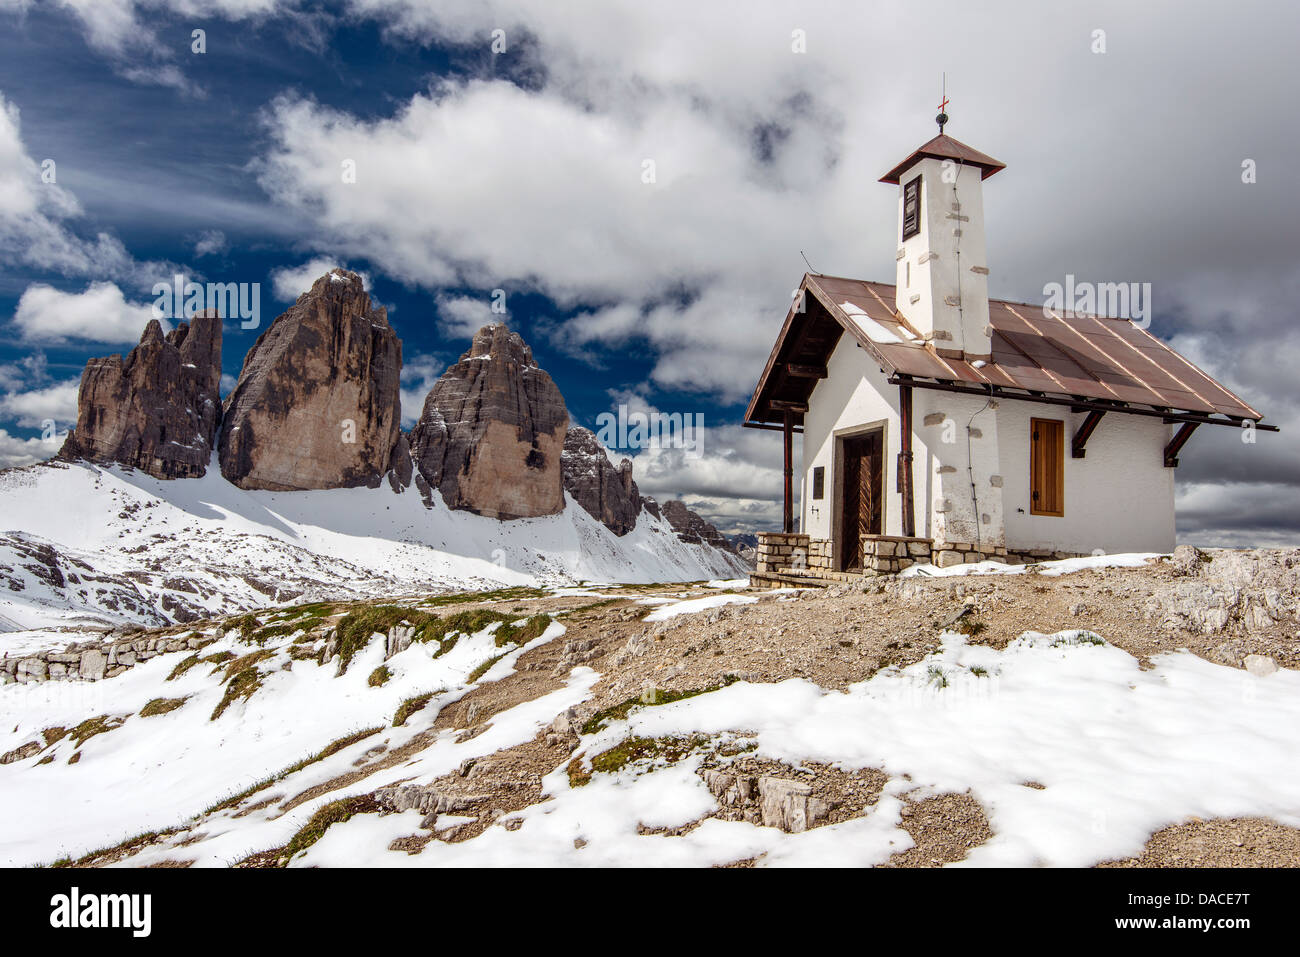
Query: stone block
x=32, y=669
x=93, y=664
x=1260, y=665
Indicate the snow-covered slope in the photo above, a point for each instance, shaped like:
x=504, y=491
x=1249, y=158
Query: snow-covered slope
x=1078, y=751
x=85, y=545
x=139, y=768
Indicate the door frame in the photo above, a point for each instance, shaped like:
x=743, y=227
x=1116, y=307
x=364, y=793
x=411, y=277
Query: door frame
x=837, y=502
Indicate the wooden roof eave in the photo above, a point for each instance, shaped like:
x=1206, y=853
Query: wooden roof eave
x=764, y=379
x=846, y=323
x=1080, y=403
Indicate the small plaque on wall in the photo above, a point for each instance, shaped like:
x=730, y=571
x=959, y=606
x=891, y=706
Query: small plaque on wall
x=911, y=209
x=819, y=482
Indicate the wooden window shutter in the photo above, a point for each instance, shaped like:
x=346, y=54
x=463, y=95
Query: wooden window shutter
x=1047, y=467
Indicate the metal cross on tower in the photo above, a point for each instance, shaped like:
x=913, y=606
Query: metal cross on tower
x=942, y=118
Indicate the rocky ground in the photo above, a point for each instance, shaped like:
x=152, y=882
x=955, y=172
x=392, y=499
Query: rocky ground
x=1236, y=609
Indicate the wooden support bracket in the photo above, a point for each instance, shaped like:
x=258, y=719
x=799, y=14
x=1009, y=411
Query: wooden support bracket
x=1089, y=425
x=1177, y=442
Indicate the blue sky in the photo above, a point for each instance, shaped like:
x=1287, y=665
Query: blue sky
x=523, y=170
x=162, y=168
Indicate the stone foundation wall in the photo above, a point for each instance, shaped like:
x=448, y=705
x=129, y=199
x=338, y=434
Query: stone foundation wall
x=890, y=554
x=777, y=551
x=798, y=554
x=947, y=554
x=90, y=660
x=820, y=557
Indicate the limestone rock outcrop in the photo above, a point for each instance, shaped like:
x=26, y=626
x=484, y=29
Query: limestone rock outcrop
x=158, y=409
x=317, y=404
x=608, y=493
x=491, y=434
x=693, y=529
x=1226, y=591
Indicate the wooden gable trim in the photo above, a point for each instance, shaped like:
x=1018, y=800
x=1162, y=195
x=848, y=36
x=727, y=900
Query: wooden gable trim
x=840, y=316
x=796, y=333
x=752, y=410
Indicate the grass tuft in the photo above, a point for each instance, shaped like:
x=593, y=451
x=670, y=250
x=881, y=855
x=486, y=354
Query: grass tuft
x=332, y=748
x=184, y=666
x=482, y=669
x=410, y=706
x=1074, y=638
x=655, y=697
x=93, y=726
x=359, y=627
x=669, y=749
x=242, y=681
x=509, y=634
x=336, y=812
x=161, y=706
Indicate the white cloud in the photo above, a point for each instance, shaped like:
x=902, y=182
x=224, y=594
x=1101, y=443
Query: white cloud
x=211, y=242
x=99, y=314
x=498, y=211
x=735, y=463
x=36, y=216
x=15, y=451
x=761, y=153
x=119, y=26
x=733, y=474
x=462, y=316
x=30, y=370
x=290, y=282
x=33, y=212
x=764, y=153
x=32, y=409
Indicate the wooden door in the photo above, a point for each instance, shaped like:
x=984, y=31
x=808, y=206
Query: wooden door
x=861, y=509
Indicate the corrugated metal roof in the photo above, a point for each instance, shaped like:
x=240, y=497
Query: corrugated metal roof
x=1034, y=349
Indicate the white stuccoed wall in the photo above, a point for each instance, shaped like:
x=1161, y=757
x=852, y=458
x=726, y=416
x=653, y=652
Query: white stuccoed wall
x=848, y=400
x=854, y=397
x=960, y=513
x=936, y=264
x=1118, y=498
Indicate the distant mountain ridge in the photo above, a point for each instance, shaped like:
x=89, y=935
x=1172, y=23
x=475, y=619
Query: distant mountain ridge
x=317, y=406
x=304, y=477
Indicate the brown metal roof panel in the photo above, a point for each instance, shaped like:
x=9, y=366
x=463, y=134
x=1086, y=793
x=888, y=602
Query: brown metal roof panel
x=916, y=362
x=1035, y=346
x=1126, y=388
x=945, y=147
x=1011, y=360
x=985, y=375
x=1217, y=395
x=1089, y=356
x=1183, y=399
x=1071, y=382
